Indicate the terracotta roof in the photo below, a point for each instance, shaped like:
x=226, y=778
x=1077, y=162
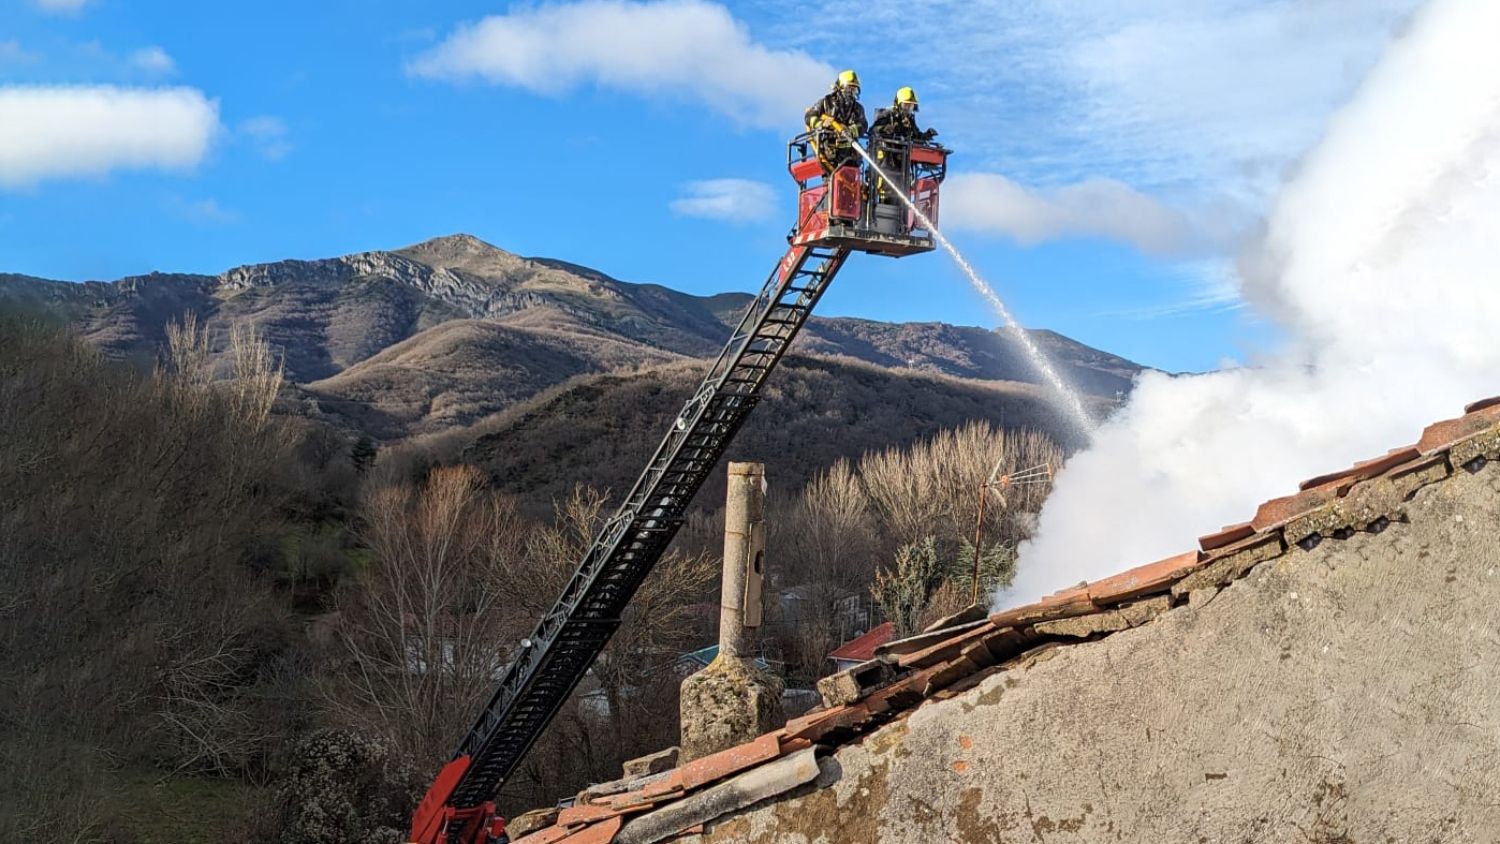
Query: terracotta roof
x=862, y=648
x=1365, y=497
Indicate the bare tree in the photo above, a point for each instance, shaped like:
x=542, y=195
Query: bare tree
x=188, y=354
x=428, y=627
x=905, y=505
x=256, y=374
x=831, y=530
x=825, y=543
x=932, y=488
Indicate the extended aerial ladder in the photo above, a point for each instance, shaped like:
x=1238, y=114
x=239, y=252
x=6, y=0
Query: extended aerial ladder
x=840, y=213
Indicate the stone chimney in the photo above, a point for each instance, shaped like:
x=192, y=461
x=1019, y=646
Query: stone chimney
x=744, y=558
x=731, y=701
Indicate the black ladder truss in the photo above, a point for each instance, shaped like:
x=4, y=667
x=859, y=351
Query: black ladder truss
x=555, y=658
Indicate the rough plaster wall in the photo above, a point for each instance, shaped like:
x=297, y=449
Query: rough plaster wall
x=1345, y=694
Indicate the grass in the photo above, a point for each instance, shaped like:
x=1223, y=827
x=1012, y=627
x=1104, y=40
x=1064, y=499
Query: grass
x=146, y=807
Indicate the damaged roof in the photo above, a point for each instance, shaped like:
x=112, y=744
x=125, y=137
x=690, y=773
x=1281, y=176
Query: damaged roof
x=961, y=651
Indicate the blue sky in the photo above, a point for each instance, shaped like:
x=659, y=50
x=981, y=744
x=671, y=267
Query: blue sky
x=1112, y=158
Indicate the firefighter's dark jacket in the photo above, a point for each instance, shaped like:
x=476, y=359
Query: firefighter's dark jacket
x=898, y=124
x=843, y=108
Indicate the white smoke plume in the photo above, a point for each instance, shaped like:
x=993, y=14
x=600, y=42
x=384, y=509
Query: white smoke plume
x=1381, y=259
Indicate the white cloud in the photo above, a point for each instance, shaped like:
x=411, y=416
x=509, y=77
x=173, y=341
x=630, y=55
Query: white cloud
x=153, y=60
x=1225, y=87
x=69, y=132
x=270, y=135
x=202, y=211
x=1215, y=96
x=692, y=49
x=1102, y=208
x=65, y=7
x=11, y=52
x=67, y=62
x=735, y=200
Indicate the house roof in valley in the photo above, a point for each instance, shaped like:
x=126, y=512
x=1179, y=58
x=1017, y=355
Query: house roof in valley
x=862, y=647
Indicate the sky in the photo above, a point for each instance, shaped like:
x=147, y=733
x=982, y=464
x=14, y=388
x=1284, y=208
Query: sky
x=1112, y=159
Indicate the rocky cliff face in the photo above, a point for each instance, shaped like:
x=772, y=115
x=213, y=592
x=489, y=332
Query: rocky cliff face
x=471, y=277
x=1340, y=694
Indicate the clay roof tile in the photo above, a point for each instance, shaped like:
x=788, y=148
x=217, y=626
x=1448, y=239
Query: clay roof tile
x=1279, y=511
x=575, y=815
x=947, y=648
x=1482, y=404
x=716, y=766
x=1144, y=580
x=1366, y=468
x=1440, y=436
x=546, y=835
x=599, y=833
x=1228, y=535
x=1064, y=604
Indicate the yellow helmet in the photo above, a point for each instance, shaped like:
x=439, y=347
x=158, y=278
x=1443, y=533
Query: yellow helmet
x=847, y=79
x=906, y=95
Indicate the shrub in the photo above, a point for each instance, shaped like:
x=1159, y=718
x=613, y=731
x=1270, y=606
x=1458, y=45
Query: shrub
x=344, y=787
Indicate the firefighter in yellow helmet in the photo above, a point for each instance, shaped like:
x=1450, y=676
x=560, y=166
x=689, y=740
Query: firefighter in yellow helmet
x=899, y=122
x=837, y=121
x=891, y=135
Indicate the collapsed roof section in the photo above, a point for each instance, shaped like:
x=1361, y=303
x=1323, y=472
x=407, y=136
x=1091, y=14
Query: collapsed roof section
x=942, y=663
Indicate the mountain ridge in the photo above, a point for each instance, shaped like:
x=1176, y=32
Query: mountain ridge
x=444, y=332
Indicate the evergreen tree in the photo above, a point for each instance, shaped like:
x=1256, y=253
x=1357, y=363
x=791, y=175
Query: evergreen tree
x=903, y=592
x=362, y=455
x=997, y=568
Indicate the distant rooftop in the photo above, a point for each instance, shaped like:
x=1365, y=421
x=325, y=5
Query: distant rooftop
x=862, y=648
